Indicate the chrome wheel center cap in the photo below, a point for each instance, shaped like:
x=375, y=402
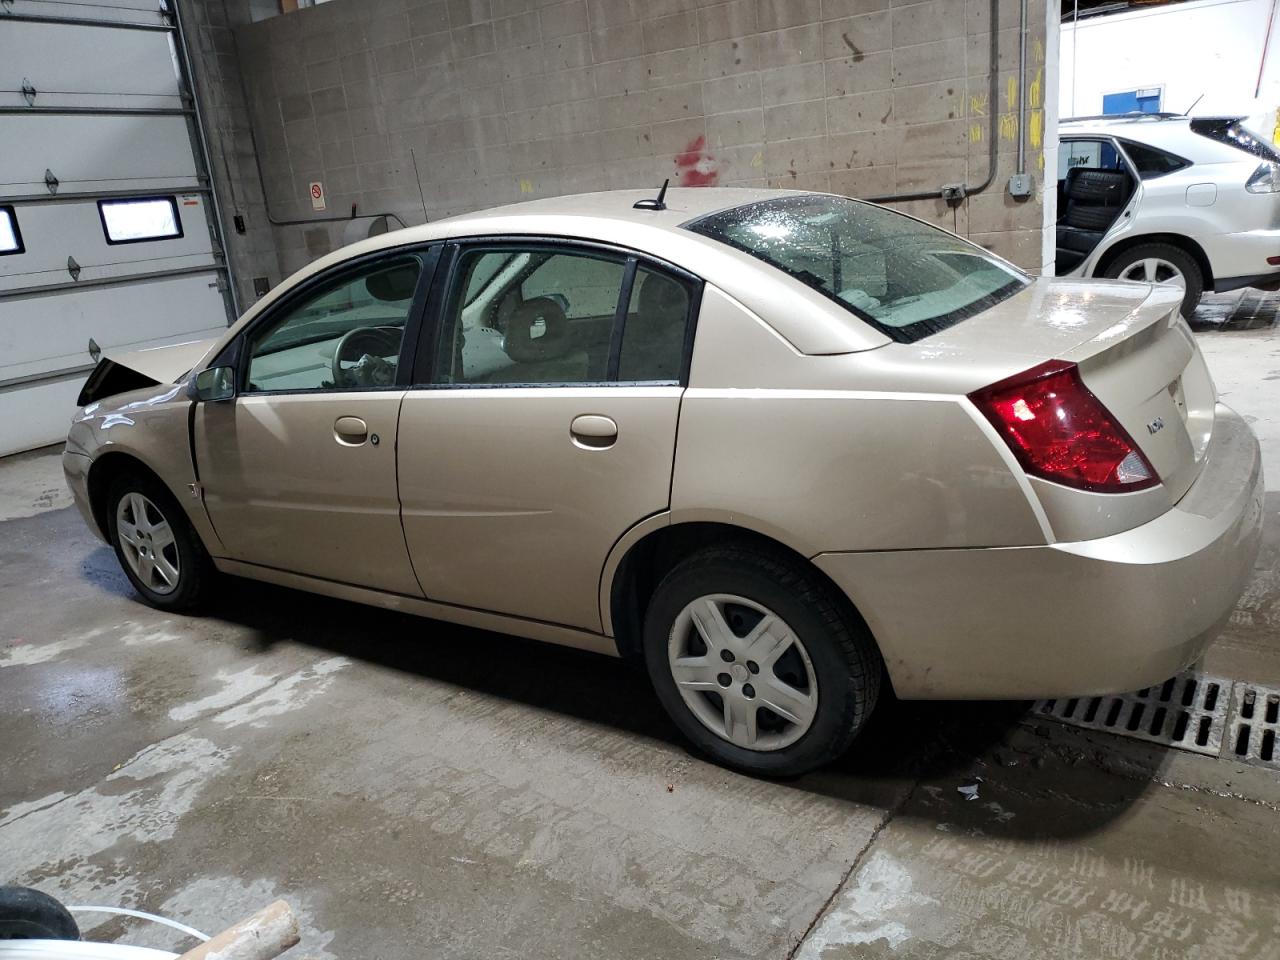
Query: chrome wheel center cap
x=739, y=672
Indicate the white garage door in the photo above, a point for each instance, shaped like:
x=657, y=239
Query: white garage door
x=106, y=219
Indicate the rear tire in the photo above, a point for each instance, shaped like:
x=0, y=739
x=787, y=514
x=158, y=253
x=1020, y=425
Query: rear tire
x=1152, y=262
x=802, y=671
x=158, y=549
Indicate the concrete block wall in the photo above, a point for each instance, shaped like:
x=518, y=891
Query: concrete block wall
x=425, y=108
x=216, y=66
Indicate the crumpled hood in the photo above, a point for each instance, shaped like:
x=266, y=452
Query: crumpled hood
x=162, y=364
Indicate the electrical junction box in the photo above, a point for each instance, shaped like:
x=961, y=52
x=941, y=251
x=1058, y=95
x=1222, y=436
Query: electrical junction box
x=1020, y=185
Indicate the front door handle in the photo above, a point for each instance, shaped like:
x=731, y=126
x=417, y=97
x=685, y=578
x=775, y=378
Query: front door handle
x=350, y=431
x=593, y=431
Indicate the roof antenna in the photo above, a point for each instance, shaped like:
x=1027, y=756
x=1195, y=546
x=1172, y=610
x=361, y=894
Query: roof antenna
x=1193, y=106
x=658, y=204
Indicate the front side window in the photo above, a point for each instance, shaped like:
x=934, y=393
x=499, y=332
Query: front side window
x=903, y=277
x=10, y=235
x=344, y=336
x=136, y=220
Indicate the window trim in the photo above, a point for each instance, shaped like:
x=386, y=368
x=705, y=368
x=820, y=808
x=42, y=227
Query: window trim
x=424, y=376
x=17, y=231
x=169, y=198
x=236, y=352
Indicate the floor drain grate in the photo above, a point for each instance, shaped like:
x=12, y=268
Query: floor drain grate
x=1255, y=725
x=1188, y=711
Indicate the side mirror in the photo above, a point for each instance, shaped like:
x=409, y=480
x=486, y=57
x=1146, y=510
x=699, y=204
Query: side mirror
x=216, y=383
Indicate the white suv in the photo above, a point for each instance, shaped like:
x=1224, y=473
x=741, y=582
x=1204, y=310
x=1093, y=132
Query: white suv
x=1168, y=198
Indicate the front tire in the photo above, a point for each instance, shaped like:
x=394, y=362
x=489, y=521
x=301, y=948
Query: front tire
x=157, y=547
x=1161, y=263
x=758, y=661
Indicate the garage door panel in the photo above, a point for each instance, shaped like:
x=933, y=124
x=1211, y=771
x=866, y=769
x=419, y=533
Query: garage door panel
x=116, y=11
x=134, y=63
x=34, y=414
x=53, y=231
x=46, y=333
x=92, y=153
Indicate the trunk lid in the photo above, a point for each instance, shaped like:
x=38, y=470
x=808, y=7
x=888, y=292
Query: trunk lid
x=1134, y=352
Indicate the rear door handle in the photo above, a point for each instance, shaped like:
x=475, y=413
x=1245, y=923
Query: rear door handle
x=350, y=431
x=593, y=431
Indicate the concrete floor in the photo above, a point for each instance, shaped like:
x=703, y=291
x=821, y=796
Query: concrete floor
x=415, y=789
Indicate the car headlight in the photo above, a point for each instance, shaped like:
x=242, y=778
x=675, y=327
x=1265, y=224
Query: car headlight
x=1266, y=179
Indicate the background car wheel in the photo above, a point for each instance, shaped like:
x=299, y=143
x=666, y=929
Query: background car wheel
x=27, y=914
x=1161, y=263
x=155, y=544
x=759, y=663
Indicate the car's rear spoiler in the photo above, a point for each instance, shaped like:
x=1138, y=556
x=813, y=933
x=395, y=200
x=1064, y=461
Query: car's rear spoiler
x=121, y=371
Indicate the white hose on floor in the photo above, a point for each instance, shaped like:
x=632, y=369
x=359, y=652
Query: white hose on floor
x=124, y=911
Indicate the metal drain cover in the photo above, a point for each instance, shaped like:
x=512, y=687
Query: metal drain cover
x=1255, y=725
x=1188, y=711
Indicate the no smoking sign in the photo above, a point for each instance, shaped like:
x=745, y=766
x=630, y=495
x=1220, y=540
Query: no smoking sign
x=317, y=195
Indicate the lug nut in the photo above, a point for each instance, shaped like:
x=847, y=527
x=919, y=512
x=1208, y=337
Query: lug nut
x=726, y=656
x=724, y=680
x=753, y=666
x=748, y=691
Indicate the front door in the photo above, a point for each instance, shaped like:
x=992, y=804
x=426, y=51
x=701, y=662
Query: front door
x=545, y=426
x=299, y=470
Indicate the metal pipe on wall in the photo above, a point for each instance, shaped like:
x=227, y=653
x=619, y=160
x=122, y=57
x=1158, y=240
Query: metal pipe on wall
x=993, y=94
x=1022, y=88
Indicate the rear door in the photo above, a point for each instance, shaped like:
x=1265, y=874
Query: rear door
x=105, y=217
x=542, y=425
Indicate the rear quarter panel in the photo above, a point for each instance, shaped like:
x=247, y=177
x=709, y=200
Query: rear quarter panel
x=821, y=453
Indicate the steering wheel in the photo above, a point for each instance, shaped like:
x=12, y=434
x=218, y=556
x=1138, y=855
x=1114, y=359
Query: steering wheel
x=367, y=348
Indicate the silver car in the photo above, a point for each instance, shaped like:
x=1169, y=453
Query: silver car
x=1163, y=198
x=784, y=447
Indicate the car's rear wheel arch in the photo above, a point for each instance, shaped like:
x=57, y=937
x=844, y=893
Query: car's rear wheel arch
x=650, y=558
x=1182, y=242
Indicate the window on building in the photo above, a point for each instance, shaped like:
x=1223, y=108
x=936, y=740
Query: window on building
x=136, y=220
x=10, y=235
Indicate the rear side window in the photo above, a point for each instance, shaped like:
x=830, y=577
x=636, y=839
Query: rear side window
x=10, y=235
x=1152, y=163
x=903, y=277
x=140, y=219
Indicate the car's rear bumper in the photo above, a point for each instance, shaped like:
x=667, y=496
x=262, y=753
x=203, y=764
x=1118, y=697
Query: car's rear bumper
x=1239, y=259
x=1067, y=619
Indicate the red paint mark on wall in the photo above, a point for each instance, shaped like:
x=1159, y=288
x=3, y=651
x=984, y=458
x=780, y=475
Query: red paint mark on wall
x=695, y=166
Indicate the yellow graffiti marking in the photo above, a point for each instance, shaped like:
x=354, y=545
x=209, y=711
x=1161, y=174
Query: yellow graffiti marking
x=1035, y=93
x=526, y=186
x=1008, y=126
x=758, y=160
x=1042, y=161
x=975, y=133
x=1011, y=93
x=1036, y=129
x=978, y=106
x=1275, y=133
x=1039, y=51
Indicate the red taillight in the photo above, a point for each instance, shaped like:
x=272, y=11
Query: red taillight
x=1060, y=431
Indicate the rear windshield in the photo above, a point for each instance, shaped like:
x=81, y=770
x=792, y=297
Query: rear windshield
x=905, y=278
x=1234, y=134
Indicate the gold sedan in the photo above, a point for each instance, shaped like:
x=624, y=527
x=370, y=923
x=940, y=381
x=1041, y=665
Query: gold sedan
x=785, y=447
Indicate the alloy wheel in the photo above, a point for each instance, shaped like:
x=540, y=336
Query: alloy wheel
x=148, y=544
x=1153, y=270
x=743, y=672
